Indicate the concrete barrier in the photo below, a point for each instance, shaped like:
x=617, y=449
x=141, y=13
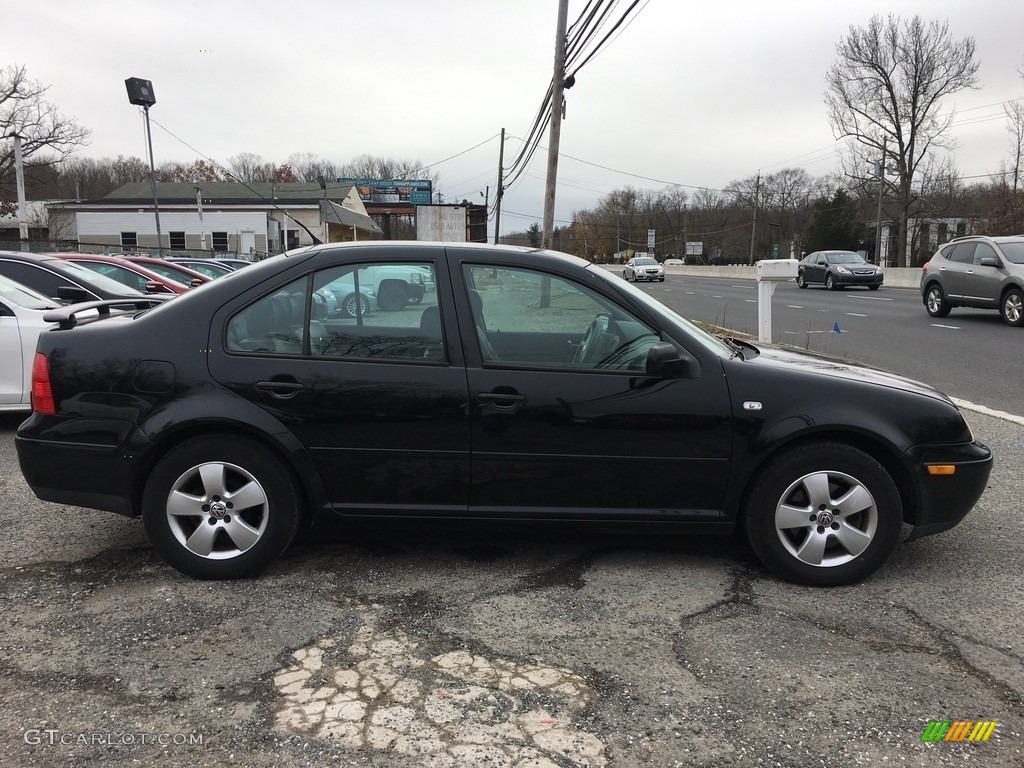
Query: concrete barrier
x=895, y=277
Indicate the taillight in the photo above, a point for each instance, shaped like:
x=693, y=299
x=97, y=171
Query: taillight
x=42, y=395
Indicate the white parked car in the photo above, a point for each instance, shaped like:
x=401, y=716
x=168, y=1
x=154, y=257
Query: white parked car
x=643, y=268
x=674, y=262
x=21, y=320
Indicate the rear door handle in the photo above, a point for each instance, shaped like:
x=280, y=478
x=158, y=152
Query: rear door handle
x=280, y=389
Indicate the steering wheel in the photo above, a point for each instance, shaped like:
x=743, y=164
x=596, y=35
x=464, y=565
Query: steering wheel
x=598, y=327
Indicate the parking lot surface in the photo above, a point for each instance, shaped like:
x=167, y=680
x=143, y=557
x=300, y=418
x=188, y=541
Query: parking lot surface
x=518, y=646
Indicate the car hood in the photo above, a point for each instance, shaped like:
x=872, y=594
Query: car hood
x=823, y=365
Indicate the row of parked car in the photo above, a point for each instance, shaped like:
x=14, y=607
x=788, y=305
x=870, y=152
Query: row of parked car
x=33, y=284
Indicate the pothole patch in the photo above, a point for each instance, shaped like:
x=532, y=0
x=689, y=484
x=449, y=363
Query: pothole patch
x=454, y=709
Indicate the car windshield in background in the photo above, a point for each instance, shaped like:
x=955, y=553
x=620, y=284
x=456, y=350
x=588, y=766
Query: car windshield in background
x=23, y=297
x=645, y=261
x=845, y=258
x=1013, y=251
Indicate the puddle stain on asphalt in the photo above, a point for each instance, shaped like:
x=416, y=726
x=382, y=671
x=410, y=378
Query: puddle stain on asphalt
x=455, y=709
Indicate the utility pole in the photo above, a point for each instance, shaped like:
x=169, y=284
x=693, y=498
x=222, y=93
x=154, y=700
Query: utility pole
x=753, y=229
x=19, y=181
x=878, y=218
x=501, y=190
x=557, y=86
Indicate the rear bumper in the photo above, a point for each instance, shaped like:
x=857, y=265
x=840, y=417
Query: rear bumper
x=944, y=500
x=64, y=468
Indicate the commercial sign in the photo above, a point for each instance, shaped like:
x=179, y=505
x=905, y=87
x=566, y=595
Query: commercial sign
x=694, y=247
x=446, y=223
x=392, y=191
x=650, y=241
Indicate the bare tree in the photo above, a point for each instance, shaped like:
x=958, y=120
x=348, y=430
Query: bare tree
x=885, y=90
x=310, y=168
x=1015, y=125
x=46, y=135
x=250, y=168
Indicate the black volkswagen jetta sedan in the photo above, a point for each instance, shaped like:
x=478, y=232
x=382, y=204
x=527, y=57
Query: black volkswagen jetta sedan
x=526, y=385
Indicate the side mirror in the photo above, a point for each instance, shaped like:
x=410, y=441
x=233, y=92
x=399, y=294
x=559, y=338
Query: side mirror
x=667, y=362
x=152, y=286
x=989, y=261
x=196, y=282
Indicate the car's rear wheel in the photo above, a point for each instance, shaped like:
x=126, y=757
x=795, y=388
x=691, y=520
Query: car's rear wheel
x=220, y=507
x=935, y=301
x=823, y=514
x=392, y=296
x=800, y=280
x=1012, y=307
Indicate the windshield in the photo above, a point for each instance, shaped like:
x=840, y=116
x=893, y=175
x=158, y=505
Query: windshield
x=645, y=261
x=845, y=258
x=1013, y=251
x=22, y=296
x=709, y=342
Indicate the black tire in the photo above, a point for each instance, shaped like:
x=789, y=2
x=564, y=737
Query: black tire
x=203, y=484
x=874, y=287
x=800, y=280
x=853, y=515
x=935, y=301
x=625, y=276
x=1011, y=307
x=831, y=284
x=391, y=295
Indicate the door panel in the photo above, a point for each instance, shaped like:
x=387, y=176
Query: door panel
x=584, y=431
x=376, y=398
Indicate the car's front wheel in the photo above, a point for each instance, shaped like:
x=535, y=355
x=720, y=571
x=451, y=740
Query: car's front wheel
x=1012, y=307
x=354, y=304
x=220, y=507
x=935, y=302
x=831, y=284
x=801, y=280
x=823, y=514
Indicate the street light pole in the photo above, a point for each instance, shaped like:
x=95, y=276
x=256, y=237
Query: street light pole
x=19, y=180
x=140, y=93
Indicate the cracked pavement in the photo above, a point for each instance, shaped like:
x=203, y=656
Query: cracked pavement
x=390, y=644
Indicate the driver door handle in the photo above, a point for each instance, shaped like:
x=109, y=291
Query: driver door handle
x=501, y=399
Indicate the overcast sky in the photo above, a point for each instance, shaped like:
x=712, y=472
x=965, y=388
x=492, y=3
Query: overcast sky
x=692, y=93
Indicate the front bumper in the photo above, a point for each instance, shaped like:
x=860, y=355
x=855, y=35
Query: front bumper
x=944, y=500
x=854, y=280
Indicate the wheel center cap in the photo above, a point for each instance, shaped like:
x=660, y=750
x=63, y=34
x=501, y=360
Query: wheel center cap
x=825, y=517
x=218, y=509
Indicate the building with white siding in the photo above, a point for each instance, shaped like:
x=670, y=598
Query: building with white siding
x=227, y=217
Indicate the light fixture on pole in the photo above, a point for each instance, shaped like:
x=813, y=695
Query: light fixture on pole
x=140, y=93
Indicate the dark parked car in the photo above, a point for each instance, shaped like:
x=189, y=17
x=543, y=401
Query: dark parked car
x=529, y=384
x=60, y=279
x=981, y=272
x=838, y=269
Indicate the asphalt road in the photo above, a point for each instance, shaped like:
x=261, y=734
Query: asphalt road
x=970, y=355
x=516, y=647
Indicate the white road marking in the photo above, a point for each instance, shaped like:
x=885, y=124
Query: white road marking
x=713, y=296
x=870, y=298
x=794, y=306
x=751, y=301
x=855, y=314
x=969, y=406
x=950, y=327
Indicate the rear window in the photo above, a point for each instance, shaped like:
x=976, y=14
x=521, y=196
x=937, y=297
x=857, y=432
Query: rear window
x=88, y=277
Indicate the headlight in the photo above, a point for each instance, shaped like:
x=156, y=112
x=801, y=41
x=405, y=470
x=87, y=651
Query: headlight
x=842, y=270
